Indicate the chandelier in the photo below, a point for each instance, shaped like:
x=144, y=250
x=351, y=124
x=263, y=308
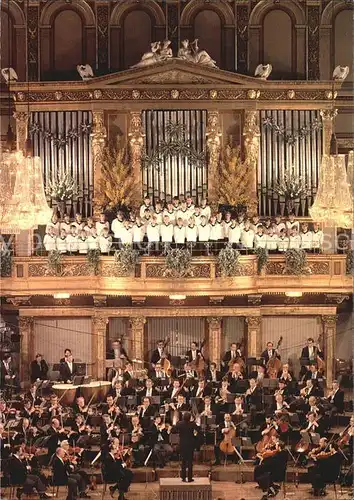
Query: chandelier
x=23, y=204
x=333, y=205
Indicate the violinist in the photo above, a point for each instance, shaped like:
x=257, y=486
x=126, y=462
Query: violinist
x=29, y=411
x=335, y=399
x=22, y=475
x=83, y=409
x=115, y=471
x=312, y=425
x=38, y=369
x=23, y=432
x=145, y=412
x=55, y=409
x=108, y=430
x=282, y=390
x=273, y=461
x=314, y=407
x=74, y=456
x=347, y=436
x=120, y=391
x=269, y=353
x=56, y=435
x=280, y=407
x=309, y=390
x=324, y=457
x=112, y=409
x=78, y=428
x=173, y=391
x=3, y=411
x=5, y=443
x=159, y=435
x=202, y=390
x=63, y=475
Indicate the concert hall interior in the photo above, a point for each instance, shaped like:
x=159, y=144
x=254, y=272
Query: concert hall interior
x=176, y=249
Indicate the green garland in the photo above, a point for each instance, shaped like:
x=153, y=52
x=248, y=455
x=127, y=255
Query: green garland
x=178, y=263
x=296, y=262
x=349, y=261
x=228, y=261
x=262, y=258
x=93, y=258
x=5, y=263
x=54, y=262
x=125, y=260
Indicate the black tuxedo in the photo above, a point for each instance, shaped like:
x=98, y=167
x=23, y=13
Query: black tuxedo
x=187, y=444
x=254, y=400
x=227, y=357
x=20, y=476
x=155, y=356
x=206, y=392
x=309, y=376
x=142, y=394
x=337, y=401
x=66, y=373
x=39, y=370
x=305, y=353
x=265, y=355
x=209, y=378
x=189, y=355
x=114, y=472
x=63, y=475
x=6, y=372
x=123, y=352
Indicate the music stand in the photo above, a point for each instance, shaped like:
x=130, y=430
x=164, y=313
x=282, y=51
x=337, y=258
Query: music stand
x=241, y=386
x=81, y=369
x=155, y=400
x=131, y=401
x=270, y=383
x=78, y=380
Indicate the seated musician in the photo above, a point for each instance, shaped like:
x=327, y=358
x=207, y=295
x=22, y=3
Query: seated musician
x=120, y=391
x=67, y=352
x=63, y=475
x=193, y=354
x=212, y=374
x=269, y=353
x=175, y=410
x=55, y=409
x=232, y=354
x=268, y=425
x=253, y=396
x=268, y=471
x=283, y=390
x=137, y=439
x=224, y=428
x=114, y=410
x=23, y=432
x=146, y=411
x=117, y=351
x=83, y=409
x=202, y=390
x=159, y=353
x=310, y=389
x=312, y=424
x=115, y=471
x=234, y=377
x=280, y=407
x=38, y=369
x=159, y=436
x=189, y=372
x=74, y=456
x=347, y=437
x=335, y=399
x=238, y=407
x=9, y=380
x=31, y=412
x=22, y=475
x=314, y=406
x=285, y=374
x=259, y=374
x=313, y=374
x=326, y=466
x=206, y=408
x=174, y=390
x=158, y=373
x=78, y=428
x=108, y=430
x=149, y=389
x=67, y=369
x=128, y=373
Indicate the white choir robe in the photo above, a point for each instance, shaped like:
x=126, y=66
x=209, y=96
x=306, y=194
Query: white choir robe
x=272, y=241
x=290, y=225
x=204, y=232
x=138, y=233
x=171, y=215
x=279, y=227
x=66, y=226
x=55, y=227
x=260, y=240
x=166, y=231
x=283, y=244
x=226, y=228
x=153, y=232
x=105, y=243
x=219, y=230
x=126, y=236
x=197, y=219
x=179, y=234
x=295, y=241
x=142, y=209
x=79, y=226
x=72, y=243
x=117, y=226
x=100, y=227
x=89, y=229
x=183, y=214
x=247, y=238
x=234, y=234
x=213, y=232
x=92, y=242
x=158, y=216
x=317, y=239
x=83, y=245
x=206, y=211
x=61, y=244
x=306, y=240
x=50, y=242
x=191, y=233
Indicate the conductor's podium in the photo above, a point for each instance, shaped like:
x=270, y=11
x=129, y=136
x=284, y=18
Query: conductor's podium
x=174, y=489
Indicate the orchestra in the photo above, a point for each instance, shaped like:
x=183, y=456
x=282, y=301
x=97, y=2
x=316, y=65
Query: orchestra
x=144, y=417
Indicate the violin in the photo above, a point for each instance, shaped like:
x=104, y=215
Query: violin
x=269, y=452
x=347, y=434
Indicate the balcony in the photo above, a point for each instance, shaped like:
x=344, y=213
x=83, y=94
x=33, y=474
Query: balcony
x=31, y=276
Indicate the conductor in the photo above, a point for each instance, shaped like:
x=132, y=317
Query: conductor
x=187, y=441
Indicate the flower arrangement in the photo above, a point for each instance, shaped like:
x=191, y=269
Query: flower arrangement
x=178, y=263
x=291, y=186
x=63, y=187
x=54, y=262
x=262, y=258
x=93, y=258
x=296, y=262
x=125, y=260
x=228, y=261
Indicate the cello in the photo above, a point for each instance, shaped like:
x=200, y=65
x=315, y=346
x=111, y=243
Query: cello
x=274, y=364
x=226, y=445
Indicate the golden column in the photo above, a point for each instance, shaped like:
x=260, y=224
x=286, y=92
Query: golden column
x=213, y=139
x=99, y=134
x=21, y=118
x=137, y=336
x=254, y=339
x=329, y=335
x=99, y=334
x=328, y=116
x=136, y=144
x=215, y=335
x=251, y=134
x=26, y=330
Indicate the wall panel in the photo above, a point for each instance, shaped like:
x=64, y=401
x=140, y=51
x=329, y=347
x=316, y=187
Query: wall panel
x=277, y=43
x=207, y=29
x=233, y=330
x=294, y=330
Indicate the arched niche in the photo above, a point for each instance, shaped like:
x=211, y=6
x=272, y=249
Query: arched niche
x=68, y=48
x=7, y=47
x=277, y=44
x=343, y=33
x=207, y=28
x=121, y=10
x=135, y=41
x=51, y=9
x=192, y=8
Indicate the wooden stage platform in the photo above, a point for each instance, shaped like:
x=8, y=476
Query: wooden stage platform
x=171, y=488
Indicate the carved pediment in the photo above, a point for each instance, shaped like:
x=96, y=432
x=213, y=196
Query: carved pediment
x=174, y=76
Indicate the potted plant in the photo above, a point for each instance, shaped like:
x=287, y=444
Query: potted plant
x=291, y=188
x=178, y=263
x=228, y=261
x=125, y=260
x=61, y=189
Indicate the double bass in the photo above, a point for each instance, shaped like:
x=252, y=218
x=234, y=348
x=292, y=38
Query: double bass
x=165, y=362
x=274, y=364
x=199, y=364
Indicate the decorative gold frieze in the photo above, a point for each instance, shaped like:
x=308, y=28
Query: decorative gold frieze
x=99, y=300
x=98, y=142
x=251, y=133
x=20, y=301
x=136, y=144
x=254, y=299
